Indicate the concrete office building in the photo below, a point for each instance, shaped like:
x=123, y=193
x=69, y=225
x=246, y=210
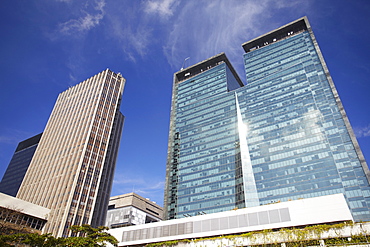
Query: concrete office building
x=281, y=137
x=132, y=209
x=71, y=172
x=18, y=165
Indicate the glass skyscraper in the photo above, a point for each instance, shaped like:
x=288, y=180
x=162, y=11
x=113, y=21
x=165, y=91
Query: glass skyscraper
x=281, y=137
x=18, y=165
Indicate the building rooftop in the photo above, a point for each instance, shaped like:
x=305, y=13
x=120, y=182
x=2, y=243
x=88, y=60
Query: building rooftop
x=132, y=199
x=206, y=65
x=277, y=34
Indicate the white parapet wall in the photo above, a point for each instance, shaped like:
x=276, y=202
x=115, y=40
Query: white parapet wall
x=21, y=206
x=283, y=237
x=304, y=212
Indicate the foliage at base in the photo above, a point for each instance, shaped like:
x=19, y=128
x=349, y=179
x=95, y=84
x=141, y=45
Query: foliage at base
x=294, y=237
x=89, y=237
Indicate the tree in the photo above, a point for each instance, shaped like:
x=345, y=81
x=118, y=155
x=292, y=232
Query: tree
x=91, y=236
x=44, y=240
x=10, y=221
x=88, y=237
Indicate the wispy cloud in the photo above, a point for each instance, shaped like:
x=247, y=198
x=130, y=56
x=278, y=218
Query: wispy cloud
x=134, y=40
x=84, y=23
x=152, y=187
x=130, y=29
x=66, y=1
x=13, y=136
x=362, y=131
x=206, y=28
x=164, y=8
x=196, y=29
x=8, y=139
x=202, y=29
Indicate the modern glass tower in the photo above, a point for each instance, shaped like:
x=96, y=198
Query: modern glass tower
x=71, y=172
x=18, y=165
x=283, y=136
x=205, y=162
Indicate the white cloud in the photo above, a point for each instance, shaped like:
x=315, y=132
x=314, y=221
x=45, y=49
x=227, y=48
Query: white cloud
x=135, y=28
x=84, y=23
x=362, y=131
x=206, y=28
x=130, y=29
x=202, y=29
x=8, y=139
x=138, y=39
x=152, y=187
x=72, y=78
x=14, y=136
x=120, y=179
x=163, y=8
x=196, y=29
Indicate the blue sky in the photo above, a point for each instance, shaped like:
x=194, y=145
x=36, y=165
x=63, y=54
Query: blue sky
x=48, y=45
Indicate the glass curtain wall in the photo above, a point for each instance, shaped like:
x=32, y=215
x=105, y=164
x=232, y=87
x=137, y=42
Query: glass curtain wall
x=299, y=144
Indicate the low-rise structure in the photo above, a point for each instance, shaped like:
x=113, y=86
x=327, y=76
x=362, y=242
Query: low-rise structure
x=132, y=209
x=18, y=216
x=298, y=213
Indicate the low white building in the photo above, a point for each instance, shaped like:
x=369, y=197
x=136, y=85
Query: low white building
x=304, y=212
x=22, y=215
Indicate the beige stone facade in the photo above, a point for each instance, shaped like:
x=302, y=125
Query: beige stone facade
x=71, y=172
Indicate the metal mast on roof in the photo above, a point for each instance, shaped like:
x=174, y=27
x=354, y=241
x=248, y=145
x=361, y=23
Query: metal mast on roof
x=183, y=64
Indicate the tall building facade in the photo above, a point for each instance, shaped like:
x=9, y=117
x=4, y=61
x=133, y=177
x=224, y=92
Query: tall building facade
x=71, y=172
x=18, y=165
x=281, y=137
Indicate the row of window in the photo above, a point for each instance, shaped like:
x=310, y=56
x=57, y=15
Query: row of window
x=18, y=218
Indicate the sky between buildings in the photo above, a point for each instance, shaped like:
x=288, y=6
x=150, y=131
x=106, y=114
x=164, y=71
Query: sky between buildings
x=47, y=46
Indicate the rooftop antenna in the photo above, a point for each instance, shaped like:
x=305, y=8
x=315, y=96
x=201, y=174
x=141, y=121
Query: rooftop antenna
x=183, y=64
